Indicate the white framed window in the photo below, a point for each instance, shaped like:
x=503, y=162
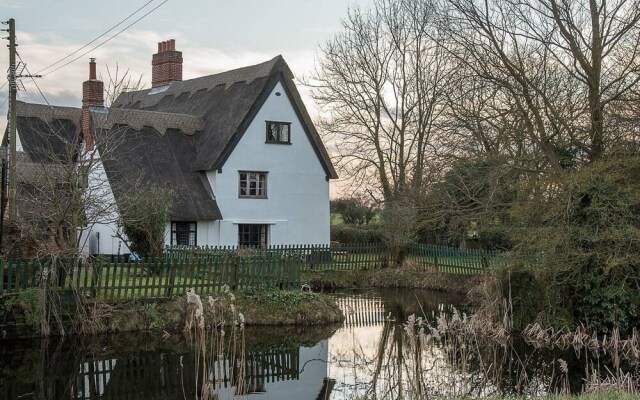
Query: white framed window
x=253, y=185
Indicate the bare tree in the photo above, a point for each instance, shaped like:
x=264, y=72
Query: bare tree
x=64, y=188
x=382, y=82
x=561, y=63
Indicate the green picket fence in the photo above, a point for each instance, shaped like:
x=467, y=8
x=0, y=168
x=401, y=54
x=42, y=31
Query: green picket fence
x=453, y=260
x=311, y=257
x=208, y=269
x=139, y=280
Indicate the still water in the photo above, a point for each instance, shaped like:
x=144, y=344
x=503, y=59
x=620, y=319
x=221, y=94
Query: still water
x=370, y=355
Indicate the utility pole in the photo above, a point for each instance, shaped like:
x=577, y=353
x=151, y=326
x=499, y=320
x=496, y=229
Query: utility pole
x=10, y=185
x=11, y=145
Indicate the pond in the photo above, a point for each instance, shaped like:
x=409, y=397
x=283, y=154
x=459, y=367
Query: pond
x=371, y=353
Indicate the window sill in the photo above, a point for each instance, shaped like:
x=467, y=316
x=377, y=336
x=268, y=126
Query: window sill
x=254, y=197
x=273, y=142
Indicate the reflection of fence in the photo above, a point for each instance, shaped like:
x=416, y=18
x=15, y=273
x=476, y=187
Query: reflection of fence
x=157, y=376
x=163, y=278
x=362, y=311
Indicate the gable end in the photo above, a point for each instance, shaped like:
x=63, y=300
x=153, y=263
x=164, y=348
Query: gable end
x=301, y=114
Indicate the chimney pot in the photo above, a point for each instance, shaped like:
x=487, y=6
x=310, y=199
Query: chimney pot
x=166, y=64
x=92, y=96
x=92, y=69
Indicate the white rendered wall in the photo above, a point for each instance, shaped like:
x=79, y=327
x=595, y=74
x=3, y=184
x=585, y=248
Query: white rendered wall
x=297, y=207
x=100, y=237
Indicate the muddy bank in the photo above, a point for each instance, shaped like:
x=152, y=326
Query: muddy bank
x=21, y=316
x=407, y=276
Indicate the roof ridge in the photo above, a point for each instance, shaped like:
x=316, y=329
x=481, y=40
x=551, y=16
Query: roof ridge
x=47, y=112
x=160, y=121
x=145, y=99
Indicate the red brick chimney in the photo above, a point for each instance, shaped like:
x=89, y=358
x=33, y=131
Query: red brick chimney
x=92, y=96
x=167, y=64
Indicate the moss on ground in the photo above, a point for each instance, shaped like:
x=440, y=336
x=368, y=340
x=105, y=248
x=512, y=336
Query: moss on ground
x=408, y=276
x=288, y=308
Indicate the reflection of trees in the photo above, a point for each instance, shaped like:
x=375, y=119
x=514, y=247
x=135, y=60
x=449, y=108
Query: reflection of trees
x=416, y=360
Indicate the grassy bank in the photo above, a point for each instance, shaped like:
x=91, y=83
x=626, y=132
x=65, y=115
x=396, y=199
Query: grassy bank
x=595, y=396
x=20, y=316
x=408, y=276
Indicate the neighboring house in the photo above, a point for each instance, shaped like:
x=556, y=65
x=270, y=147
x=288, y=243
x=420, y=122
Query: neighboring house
x=45, y=161
x=238, y=149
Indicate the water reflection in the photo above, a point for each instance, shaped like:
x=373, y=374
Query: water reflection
x=372, y=355
x=286, y=363
x=368, y=355
x=375, y=355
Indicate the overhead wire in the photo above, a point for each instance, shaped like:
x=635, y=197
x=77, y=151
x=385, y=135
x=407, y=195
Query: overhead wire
x=96, y=38
x=33, y=79
x=107, y=40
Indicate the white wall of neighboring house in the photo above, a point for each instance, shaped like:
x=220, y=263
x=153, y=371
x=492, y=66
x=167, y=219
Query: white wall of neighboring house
x=100, y=237
x=18, y=142
x=297, y=204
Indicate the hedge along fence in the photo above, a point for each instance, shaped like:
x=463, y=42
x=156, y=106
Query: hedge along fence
x=153, y=279
x=360, y=256
x=311, y=257
x=454, y=260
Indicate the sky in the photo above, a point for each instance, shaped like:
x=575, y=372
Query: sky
x=213, y=35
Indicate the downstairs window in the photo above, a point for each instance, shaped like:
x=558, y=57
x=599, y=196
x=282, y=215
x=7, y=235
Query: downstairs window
x=253, y=235
x=183, y=233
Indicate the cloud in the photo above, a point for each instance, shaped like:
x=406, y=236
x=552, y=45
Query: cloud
x=14, y=3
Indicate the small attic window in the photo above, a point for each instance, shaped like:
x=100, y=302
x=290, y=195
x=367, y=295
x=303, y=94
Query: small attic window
x=158, y=89
x=278, y=132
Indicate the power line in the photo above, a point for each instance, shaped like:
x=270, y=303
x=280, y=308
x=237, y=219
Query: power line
x=33, y=79
x=106, y=41
x=96, y=38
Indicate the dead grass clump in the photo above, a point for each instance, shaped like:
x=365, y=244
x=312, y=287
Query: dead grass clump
x=219, y=345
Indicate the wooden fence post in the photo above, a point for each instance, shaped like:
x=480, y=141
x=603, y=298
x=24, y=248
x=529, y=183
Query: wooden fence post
x=484, y=262
x=2, y=270
x=95, y=277
x=171, y=278
x=435, y=260
x=234, y=272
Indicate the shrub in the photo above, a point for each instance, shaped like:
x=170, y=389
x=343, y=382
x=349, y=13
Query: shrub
x=352, y=234
x=495, y=238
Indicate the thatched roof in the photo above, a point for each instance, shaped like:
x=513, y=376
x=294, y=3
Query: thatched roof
x=135, y=158
x=226, y=103
x=48, y=134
